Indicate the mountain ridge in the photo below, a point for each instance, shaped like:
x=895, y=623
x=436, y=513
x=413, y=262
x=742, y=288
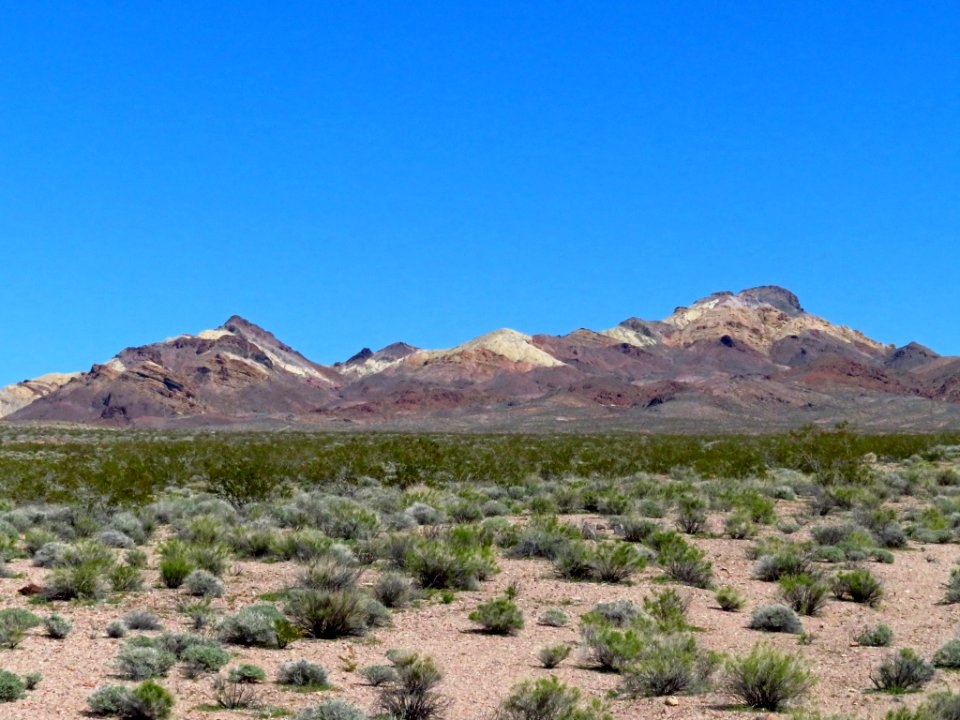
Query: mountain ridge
x=742, y=360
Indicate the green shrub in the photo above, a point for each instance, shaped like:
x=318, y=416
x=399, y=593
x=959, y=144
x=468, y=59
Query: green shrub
x=84, y=581
x=378, y=675
x=610, y=648
x=11, y=687
x=247, y=673
x=634, y=529
x=874, y=636
x=151, y=702
x=619, y=613
x=328, y=615
x=201, y=583
x=200, y=612
x=393, y=589
x=667, y=665
x=902, y=672
x=174, y=563
x=212, y=558
x=692, y=518
x=686, y=564
x=806, y=594
x=788, y=561
x=301, y=673
x=952, y=595
x=256, y=543
x=111, y=700
x=547, y=699
x=739, y=526
x=251, y=626
x=57, y=626
x=328, y=574
x=200, y=659
x=142, y=663
x=439, y=567
x=668, y=608
x=116, y=629
x=615, y=562
x=331, y=709
x=543, y=537
x=500, y=616
x=768, y=679
x=126, y=578
x=775, y=618
x=940, y=706
x=729, y=599
x=552, y=655
x=31, y=680
x=948, y=656
x=14, y=623
x=286, y=632
x=412, y=696
x=553, y=618
x=574, y=561
x=859, y=585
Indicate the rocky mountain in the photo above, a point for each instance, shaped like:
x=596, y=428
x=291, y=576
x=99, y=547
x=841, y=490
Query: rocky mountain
x=746, y=361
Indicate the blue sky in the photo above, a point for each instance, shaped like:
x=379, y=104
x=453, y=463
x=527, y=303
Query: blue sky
x=350, y=174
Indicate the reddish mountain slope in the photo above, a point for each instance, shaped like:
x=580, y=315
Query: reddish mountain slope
x=752, y=360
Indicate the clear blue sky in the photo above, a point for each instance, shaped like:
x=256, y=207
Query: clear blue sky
x=350, y=174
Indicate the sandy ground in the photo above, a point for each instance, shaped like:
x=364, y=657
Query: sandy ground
x=480, y=669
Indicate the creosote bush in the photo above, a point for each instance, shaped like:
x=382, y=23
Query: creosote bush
x=11, y=687
x=948, y=655
x=859, y=585
x=499, y=616
x=805, y=593
x=902, y=672
x=768, y=679
x=412, y=695
x=552, y=655
x=547, y=699
x=729, y=599
x=874, y=636
x=669, y=664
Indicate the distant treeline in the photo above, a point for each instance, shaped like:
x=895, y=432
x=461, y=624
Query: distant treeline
x=130, y=467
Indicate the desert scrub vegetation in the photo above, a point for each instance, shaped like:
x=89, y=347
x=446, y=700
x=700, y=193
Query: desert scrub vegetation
x=365, y=532
x=499, y=616
x=548, y=699
x=903, y=671
x=768, y=679
x=859, y=586
x=147, y=701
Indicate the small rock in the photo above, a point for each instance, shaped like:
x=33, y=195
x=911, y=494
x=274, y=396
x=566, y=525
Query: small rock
x=671, y=701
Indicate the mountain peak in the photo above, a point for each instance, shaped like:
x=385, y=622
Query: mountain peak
x=774, y=295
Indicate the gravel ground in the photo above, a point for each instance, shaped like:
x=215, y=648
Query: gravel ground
x=480, y=669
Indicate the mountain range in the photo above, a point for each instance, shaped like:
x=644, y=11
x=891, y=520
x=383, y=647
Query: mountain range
x=748, y=361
